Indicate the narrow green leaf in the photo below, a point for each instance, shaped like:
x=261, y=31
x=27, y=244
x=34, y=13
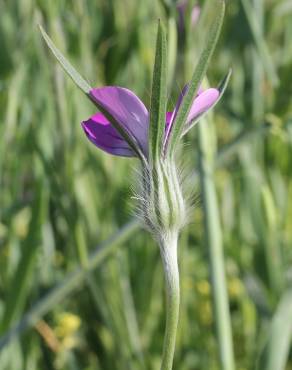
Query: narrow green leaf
x=68, y=68
x=158, y=96
x=276, y=350
x=196, y=80
x=85, y=87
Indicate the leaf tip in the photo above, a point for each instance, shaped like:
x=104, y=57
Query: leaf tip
x=223, y=84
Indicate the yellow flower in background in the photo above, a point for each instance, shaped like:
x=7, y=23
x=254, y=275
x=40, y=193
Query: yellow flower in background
x=66, y=328
x=235, y=287
x=205, y=313
x=203, y=287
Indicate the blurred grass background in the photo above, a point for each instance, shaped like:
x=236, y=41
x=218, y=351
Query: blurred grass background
x=88, y=290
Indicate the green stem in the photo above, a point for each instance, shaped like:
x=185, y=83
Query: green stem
x=168, y=250
x=215, y=248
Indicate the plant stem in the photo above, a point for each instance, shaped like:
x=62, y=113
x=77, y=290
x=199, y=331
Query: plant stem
x=168, y=250
x=215, y=248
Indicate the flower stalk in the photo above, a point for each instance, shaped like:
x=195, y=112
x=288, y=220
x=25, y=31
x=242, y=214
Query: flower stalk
x=168, y=251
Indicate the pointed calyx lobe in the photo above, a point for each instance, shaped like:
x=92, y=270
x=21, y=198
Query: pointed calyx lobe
x=177, y=128
x=158, y=97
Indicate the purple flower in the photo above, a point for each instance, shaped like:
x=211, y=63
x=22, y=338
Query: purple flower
x=131, y=114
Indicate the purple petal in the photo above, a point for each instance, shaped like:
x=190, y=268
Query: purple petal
x=102, y=134
x=202, y=104
x=170, y=119
x=127, y=109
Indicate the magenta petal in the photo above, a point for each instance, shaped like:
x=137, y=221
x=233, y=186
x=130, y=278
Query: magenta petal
x=127, y=109
x=102, y=134
x=202, y=103
x=170, y=116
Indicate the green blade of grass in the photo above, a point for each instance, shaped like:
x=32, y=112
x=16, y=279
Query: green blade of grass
x=276, y=351
x=213, y=236
x=261, y=44
x=22, y=278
